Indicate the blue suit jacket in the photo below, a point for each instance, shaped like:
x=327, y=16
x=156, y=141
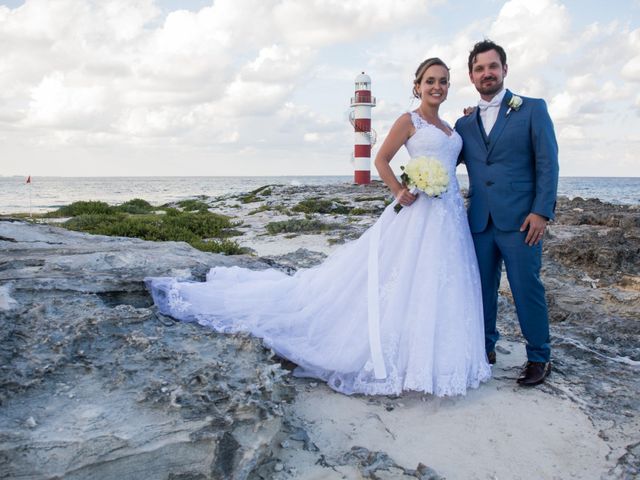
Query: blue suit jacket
x=514, y=171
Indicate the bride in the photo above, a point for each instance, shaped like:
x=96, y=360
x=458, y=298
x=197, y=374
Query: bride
x=410, y=320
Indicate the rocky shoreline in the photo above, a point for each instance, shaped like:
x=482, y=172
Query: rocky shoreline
x=96, y=384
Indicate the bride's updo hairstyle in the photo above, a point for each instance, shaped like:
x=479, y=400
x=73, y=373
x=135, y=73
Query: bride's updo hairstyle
x=429, y=62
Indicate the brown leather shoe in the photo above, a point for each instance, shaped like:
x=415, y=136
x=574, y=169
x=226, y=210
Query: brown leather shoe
x=534, y=373
x=491, y=357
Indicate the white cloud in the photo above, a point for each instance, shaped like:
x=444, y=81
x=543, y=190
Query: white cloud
x=55, y=102
x=562, y=106
x=571, y=132
x=272, y=78
x=244, y=97
x=631, y=69
x=311, y=137
x=114, y=65
x=534, y=34
x=278, y=63
x=324, y=22
x=531, y=31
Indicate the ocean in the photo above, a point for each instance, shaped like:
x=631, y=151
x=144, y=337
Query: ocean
x=49, y=193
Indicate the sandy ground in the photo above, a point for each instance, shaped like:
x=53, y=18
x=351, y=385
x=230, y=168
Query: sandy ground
x=499, y=431
x=266, y=246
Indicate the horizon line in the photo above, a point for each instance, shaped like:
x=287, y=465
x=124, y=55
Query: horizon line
x=260, y=176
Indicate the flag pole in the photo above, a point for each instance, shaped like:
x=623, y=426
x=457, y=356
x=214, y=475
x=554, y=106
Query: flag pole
x=29, y=187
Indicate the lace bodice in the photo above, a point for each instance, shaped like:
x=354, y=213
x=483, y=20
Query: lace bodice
x=430, y=141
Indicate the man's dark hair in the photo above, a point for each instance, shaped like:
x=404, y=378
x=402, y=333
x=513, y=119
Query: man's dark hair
x=485, y=46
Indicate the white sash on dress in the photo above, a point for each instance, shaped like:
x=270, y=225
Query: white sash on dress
x=373, y=301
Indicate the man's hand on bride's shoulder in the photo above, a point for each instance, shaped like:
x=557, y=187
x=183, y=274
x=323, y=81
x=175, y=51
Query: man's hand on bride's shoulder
x=468, y=111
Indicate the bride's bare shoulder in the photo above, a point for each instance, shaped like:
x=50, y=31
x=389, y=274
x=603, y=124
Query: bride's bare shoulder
x=404, y=122
x=405, y=118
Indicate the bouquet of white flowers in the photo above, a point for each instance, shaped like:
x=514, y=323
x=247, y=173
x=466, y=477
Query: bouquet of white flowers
x=426, y=174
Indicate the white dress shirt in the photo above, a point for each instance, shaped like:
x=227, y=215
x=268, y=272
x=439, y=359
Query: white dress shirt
x=489, y=111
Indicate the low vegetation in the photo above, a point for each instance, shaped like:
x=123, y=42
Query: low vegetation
x=262, y=208
x=371, y=199
x=300, y=225
x=197, y=226
x=271, y=208
x=191, y=205
x=81, y=208
x=256, y=195
x=365, y=211
x=320, y=205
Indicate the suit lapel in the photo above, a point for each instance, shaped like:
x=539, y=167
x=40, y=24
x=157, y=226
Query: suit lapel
x=478, y=129
x=501, y=121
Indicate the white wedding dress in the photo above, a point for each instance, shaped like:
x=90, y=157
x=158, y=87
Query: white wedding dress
x=398, y=309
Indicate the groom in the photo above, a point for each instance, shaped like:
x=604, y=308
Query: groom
x=511, y=156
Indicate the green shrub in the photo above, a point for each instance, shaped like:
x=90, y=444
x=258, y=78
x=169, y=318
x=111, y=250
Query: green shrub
x=191, y=205
x=335, y=241
x=81, y=208
x=366, y=211
x=370, y=199
x=228, y=247
x=283, y=210
x=201, y=224
x=202, y=229
x=296, y=225
x=99, y=224
x=174, y=226
x=136, y=206
x=252, y=196
x=277, y=208
x=318, y=205
x=359, y=211
x=262, y=208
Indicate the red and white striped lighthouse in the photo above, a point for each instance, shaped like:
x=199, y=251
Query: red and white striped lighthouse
x=361, y=103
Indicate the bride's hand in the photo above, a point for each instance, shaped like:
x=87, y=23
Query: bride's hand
x=405, y=197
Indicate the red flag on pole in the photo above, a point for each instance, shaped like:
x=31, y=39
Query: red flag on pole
x=29, y=179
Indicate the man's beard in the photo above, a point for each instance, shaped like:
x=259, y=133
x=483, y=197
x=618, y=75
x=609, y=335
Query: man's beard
x=490, y=89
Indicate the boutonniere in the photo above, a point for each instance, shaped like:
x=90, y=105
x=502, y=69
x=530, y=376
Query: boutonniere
x=515, y=102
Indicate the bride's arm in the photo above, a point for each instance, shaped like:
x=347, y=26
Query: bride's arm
x=398, y=135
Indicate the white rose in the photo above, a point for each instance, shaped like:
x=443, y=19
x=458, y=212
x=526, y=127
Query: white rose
x=515, y=102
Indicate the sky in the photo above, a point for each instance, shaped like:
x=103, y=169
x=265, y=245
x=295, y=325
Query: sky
x=262, y=87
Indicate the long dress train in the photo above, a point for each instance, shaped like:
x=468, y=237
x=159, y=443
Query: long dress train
x=398, y=309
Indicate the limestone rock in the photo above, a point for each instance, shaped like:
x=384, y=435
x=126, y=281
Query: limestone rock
x=94, y=384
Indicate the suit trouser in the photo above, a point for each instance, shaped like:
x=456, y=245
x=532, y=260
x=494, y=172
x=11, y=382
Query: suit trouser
x=522, y=263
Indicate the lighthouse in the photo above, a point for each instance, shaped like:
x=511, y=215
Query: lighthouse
x=361, y=105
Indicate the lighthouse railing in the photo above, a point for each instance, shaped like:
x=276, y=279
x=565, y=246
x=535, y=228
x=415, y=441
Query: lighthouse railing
x=363, y=100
